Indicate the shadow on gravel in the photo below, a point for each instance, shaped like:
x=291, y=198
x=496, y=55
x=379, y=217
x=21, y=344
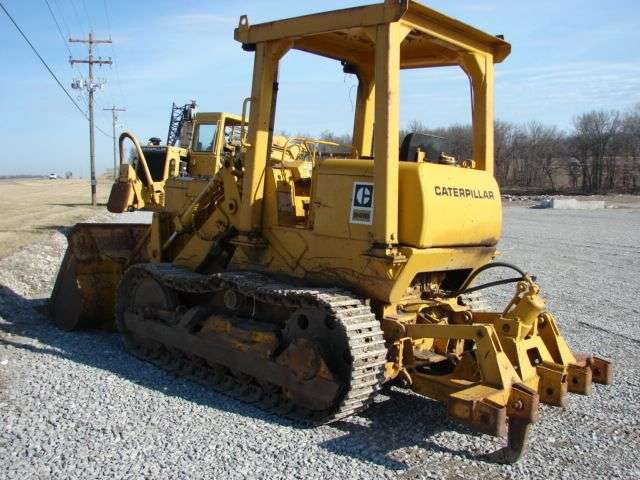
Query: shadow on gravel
x=405, y=420
x=104, y=350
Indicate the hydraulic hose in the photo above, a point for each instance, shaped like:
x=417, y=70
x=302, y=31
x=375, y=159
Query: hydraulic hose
x=465, y=286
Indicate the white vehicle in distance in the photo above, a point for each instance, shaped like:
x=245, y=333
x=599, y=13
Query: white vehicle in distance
x=53, y=176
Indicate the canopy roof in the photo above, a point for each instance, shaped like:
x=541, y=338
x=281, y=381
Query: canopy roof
x=215, y=116
x=346, y=35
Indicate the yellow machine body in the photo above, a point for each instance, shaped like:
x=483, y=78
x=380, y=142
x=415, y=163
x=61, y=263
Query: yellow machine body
x=286, y=235
x=141, y=185
x=327, y=246
x=429, y=197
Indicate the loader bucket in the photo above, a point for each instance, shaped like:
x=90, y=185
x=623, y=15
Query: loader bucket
x=97, y=255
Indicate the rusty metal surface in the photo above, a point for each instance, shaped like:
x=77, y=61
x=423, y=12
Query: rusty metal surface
x=523, y=403
x=84, y=291
x=315, y=392
x=552, y=387
x=482, y=415
x=105, y=241
x=121, y=193
x=517, y=437
x=601, y=369
x=579, y=379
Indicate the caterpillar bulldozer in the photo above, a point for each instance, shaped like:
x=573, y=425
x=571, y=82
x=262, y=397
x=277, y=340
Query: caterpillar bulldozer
x=305, y=283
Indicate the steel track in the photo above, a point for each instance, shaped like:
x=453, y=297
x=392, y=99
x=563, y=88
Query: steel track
x=353, y=319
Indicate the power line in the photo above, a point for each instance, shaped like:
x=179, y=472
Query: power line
x=89, y=18
x=35, y=51
x=79, y=23
x=106, y=14
x=114, y=119
x=113, y=49
x=91, y=88
x=55, y=20
x=61, y=15
x=75, y=12
x=86, y=12
x=108, y=24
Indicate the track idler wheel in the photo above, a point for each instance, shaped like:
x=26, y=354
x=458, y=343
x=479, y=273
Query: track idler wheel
x=140, y=293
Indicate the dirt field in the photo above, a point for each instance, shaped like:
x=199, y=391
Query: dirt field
x=31, y=209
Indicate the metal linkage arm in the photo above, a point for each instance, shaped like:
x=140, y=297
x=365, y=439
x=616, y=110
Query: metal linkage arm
x=495, y=367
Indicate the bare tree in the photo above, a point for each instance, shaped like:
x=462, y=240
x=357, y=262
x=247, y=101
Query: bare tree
x=631, y=149
x=460, y=140
x=414, y=126
x=459, y=137
x=344, y=139
x=601, y=153
x=505, y=145
x=573, y=169
x=593, y=145
x=544, y=145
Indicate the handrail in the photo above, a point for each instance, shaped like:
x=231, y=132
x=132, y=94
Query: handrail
x=245, y=102
x=305, y=140
x=141, y=157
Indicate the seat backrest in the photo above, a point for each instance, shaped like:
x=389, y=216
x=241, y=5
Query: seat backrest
x=156, y=160
x=432, y=145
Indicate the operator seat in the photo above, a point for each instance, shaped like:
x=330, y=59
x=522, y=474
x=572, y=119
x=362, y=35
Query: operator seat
x=432, y=145
x=156, y=157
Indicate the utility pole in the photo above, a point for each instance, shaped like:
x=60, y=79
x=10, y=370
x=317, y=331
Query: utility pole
x=114, y=116
x=91, y=88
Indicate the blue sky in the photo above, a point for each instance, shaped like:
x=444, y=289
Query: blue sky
x=567, y=57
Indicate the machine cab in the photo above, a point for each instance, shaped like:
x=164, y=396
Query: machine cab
x=216, y=136
x=214, y=133
x=144, y=183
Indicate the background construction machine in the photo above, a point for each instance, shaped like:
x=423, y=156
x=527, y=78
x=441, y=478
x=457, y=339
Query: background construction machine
x=201, y=138
x=304, y=284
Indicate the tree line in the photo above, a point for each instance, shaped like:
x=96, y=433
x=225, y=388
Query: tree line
x=600, y=153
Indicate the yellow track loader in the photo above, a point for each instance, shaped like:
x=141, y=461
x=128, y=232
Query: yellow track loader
x=305, y=283
x=140, y=185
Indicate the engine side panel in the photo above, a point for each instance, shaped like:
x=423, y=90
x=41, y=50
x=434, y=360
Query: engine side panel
x=439, y=205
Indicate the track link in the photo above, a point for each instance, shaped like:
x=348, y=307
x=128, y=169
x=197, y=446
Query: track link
x=352, y=318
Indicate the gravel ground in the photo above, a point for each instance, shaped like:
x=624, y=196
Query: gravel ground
x=78, y=406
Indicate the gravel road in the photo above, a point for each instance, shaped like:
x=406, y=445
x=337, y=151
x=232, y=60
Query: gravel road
x=78, y=406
